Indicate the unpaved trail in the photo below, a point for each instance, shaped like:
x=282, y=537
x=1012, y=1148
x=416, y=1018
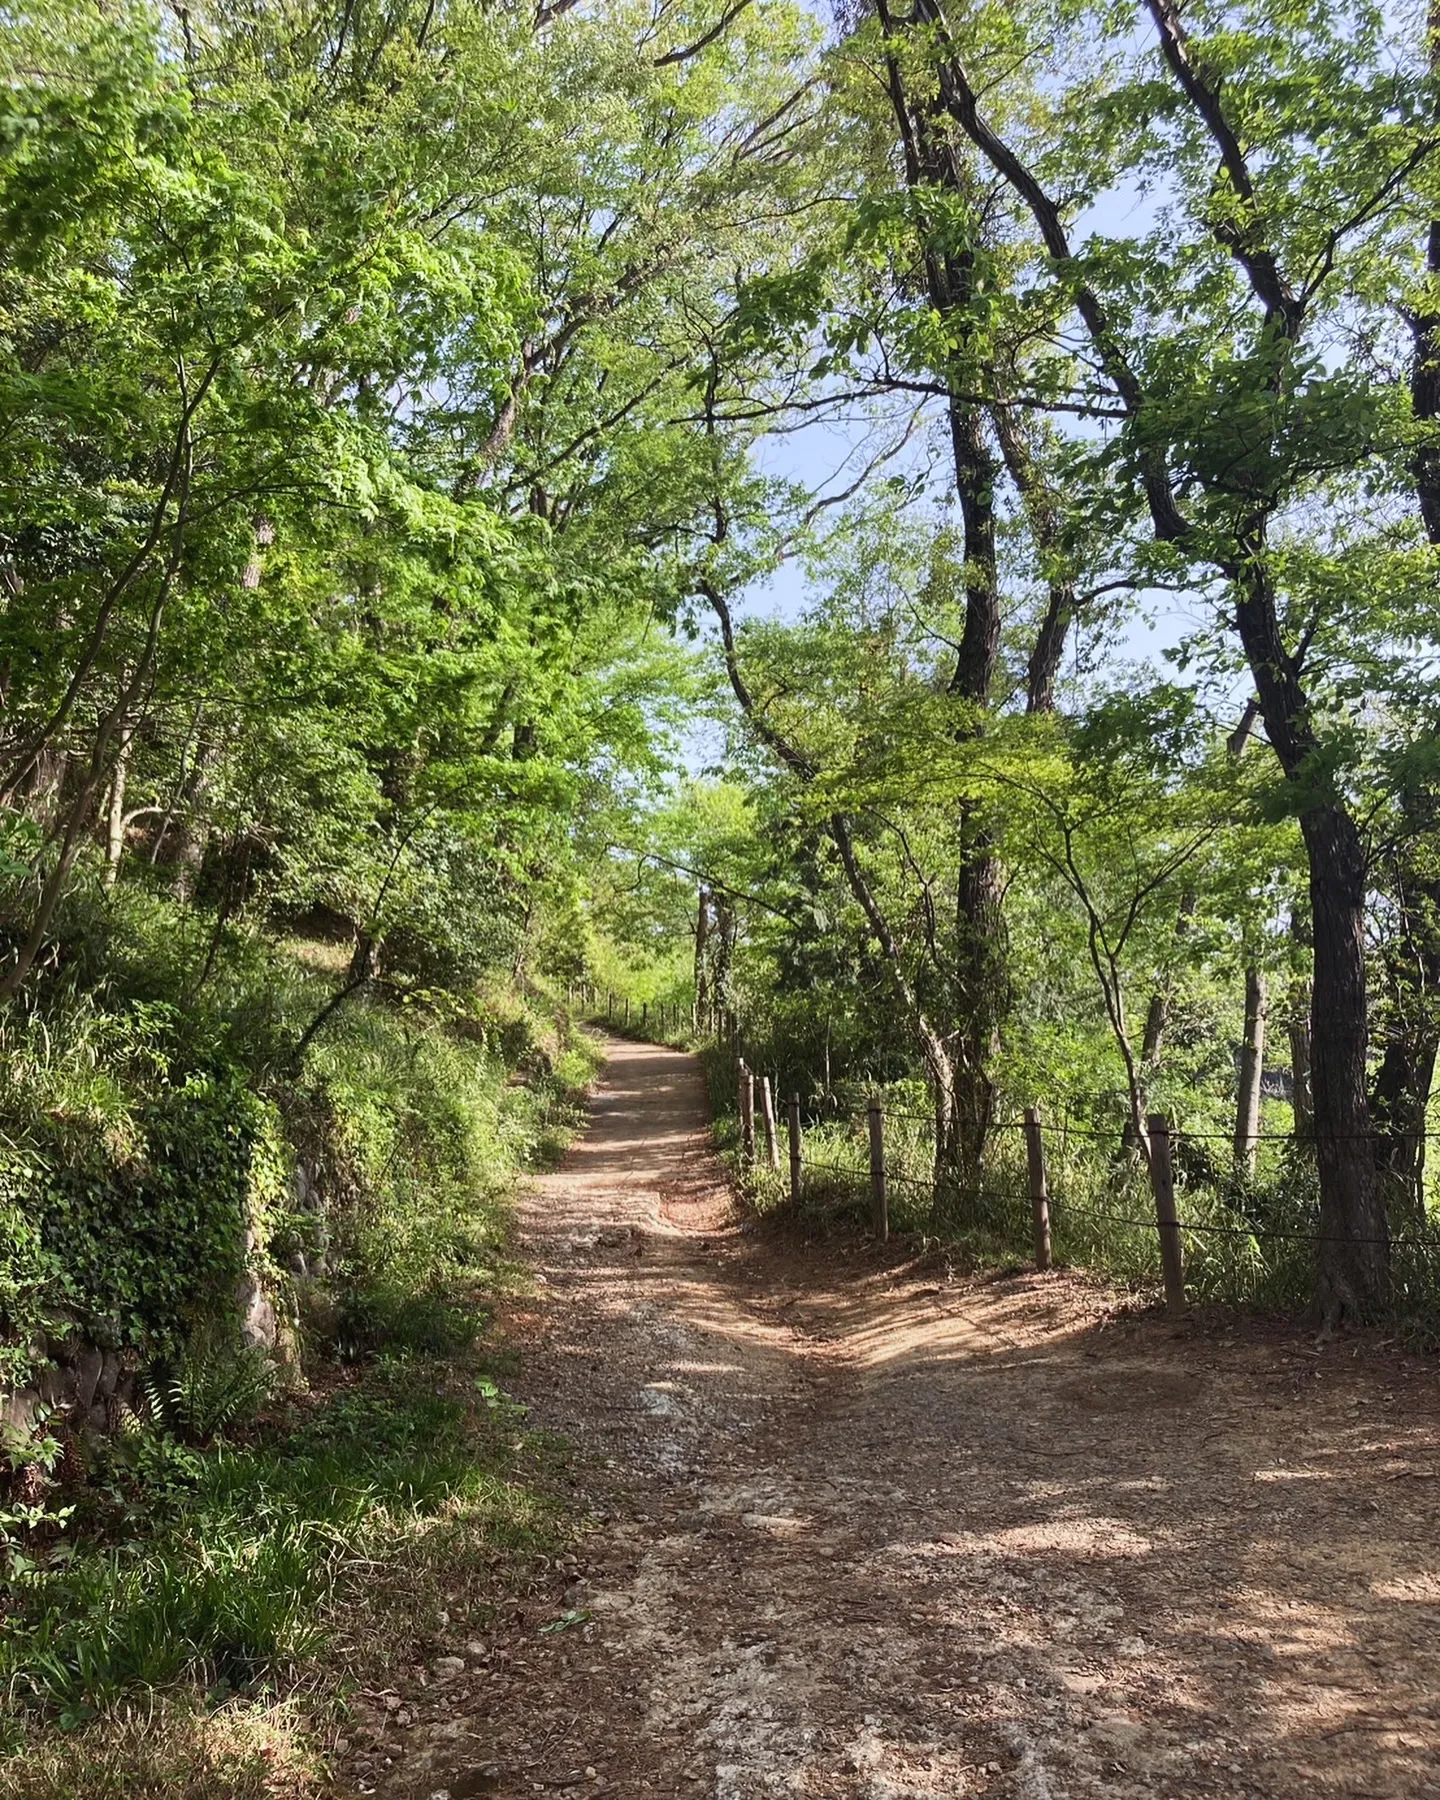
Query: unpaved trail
x=873, y=1533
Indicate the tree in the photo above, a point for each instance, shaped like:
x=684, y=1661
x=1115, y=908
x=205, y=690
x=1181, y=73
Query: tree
x=1290, y=174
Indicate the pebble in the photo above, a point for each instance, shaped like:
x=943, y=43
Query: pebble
x=448, y=1667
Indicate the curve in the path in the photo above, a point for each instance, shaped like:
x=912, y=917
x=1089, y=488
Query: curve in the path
x=878, y=1534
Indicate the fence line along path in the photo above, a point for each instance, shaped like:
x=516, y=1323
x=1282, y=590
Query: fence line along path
x=864, y=1531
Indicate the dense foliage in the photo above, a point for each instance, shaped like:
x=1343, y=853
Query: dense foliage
x=1126, y=321
x=910, y=536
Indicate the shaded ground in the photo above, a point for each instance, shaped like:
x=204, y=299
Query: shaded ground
x=872, y=1533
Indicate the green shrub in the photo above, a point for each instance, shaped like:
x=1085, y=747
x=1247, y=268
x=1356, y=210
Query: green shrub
x=219, y=1385
x=232, y=1567
x=143, y=1246
x=368, y=1321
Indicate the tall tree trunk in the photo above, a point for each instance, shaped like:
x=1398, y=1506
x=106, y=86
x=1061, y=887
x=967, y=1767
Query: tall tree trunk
x=1252, y=1048
x=702, y=967
x=1352, y=1276
x=115, y=816
x=978, y=973
x=723, y=941
x=1400, y=1096
x=1252, y=1068
x=980, y=943
x=1353, y=1264
x=980, y=1005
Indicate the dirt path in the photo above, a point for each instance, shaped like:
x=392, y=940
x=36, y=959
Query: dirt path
x=872, y=1533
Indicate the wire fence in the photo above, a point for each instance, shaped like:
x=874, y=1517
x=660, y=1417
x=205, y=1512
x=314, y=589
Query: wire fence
x=886, y=1161
x=894, y=1137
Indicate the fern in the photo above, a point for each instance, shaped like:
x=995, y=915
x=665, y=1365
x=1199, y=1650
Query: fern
x=215, y=1389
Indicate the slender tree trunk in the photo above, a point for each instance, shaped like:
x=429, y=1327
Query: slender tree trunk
x=44, y=785
x=1252, y=1048
x=980, y=943
x=981, y=987
x=1152, y=1040
x=182, y=776
x=980, y=984
x=1045, y=514
x=364, y=965
x=702, y=967
x=115, y=817
x=1298, y=1004
x=1302, y=1105
x=1157, y=1017
x=1252, y=1068
x=81, y=810
x=80, y=813
x=722, y=938
x=194, y=831
x=1353, y=1256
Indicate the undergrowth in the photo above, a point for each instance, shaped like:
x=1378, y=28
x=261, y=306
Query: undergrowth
x=321, y=1547
x=1246, y=1238
x=186, y=1601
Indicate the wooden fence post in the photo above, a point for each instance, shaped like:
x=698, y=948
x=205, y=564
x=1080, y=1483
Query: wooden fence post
x=793, y=1108
x=1162, y=1179
x=879, y=1201
x=610, y=1005
x=747, y=1113
x=644, y=1017
x=767, y=1107
x=1039, y=1193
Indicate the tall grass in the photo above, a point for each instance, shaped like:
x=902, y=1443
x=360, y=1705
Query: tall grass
x=238, y=1570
